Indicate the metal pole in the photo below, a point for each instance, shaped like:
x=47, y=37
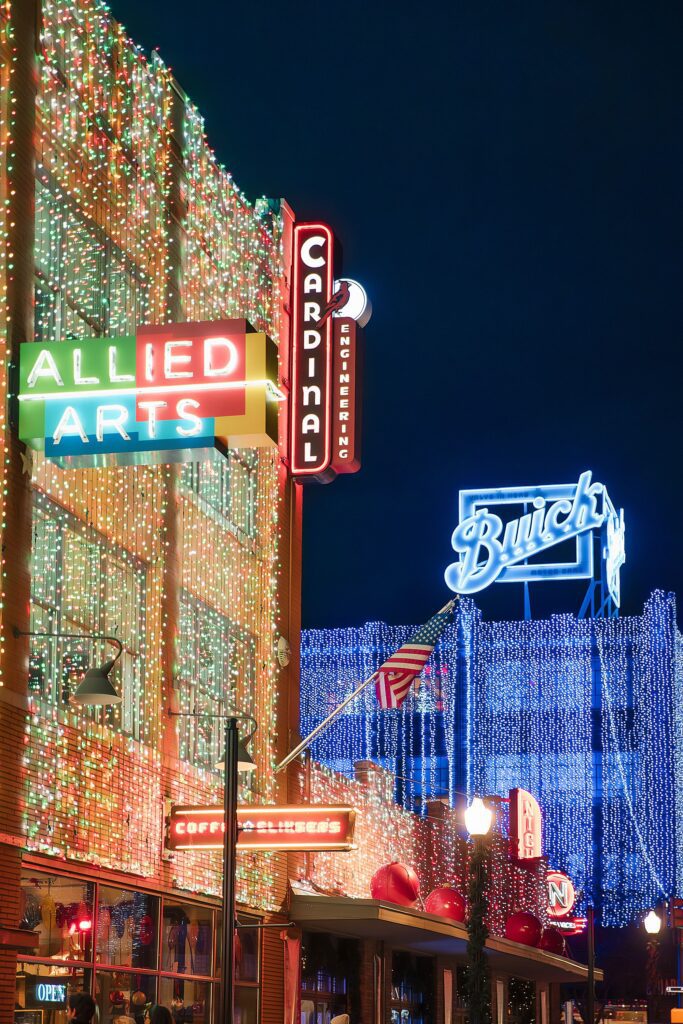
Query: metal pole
x=323, y=725
x=338, y=710
x=677, y=935
x=227, y=992
x=590, y=1001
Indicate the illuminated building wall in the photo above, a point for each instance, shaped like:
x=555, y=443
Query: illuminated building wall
x=584, y=714
x=117, y=213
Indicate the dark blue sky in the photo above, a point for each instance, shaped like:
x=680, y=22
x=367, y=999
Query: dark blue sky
x=506, y=180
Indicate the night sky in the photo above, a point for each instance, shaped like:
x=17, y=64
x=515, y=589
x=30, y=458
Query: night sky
x=506, y=180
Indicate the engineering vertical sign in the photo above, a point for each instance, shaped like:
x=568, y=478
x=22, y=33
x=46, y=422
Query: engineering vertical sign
x=325, y=372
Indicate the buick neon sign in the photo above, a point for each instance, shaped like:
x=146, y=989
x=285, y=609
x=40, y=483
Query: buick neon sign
x=492, y=550
x=164, y=394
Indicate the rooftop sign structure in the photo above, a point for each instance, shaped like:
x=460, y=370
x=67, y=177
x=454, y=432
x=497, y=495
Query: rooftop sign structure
x=550, y=535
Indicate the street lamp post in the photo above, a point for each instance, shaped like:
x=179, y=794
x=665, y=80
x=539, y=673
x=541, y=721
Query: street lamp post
x=478, y=820
x=236, y=759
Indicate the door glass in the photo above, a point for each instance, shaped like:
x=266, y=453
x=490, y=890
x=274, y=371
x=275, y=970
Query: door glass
x=119, y=994
x=188, y=1001
x=246, y=1005
x=186, y=939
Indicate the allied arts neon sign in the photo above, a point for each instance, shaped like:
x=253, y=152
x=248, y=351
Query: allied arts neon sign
x=167, y=393
x=511, y=551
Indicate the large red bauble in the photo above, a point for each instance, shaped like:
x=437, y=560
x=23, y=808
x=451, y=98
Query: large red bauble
x=523, y=927
x=447, y=902
x=396, y=883
x=552, y=941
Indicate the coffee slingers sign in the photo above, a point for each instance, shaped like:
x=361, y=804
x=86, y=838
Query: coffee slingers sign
x=296, y=827
x=325, y=403
x=162, y=395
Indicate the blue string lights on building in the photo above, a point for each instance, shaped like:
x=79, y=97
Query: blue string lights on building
x=583, y=713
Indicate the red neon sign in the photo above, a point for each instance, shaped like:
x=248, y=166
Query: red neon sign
x=310, y=406
x=525, y=826
x=571, y=925
x=561, y=894
x=263, y=828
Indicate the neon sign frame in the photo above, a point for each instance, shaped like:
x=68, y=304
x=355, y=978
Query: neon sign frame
x=493, y=551
x=165, y=394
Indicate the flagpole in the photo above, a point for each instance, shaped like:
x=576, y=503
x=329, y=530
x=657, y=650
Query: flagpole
x=323, y=725
x=338, y=710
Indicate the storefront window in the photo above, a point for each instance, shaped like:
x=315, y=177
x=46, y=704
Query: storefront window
x=127, y=933
x=60, y=910
x=330, y=982
x=43, y=991
x=246, y=1005
x=521, y=1001
x=189, y=1001
x=120, y=994
x=412, y=989
x=129, y=953
x=187, y=939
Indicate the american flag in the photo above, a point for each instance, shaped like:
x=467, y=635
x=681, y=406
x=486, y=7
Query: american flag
x=397, y=674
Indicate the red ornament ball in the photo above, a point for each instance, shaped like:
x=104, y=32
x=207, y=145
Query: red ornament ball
x=446, y=902
x=396, y=883
x=552, y=941
x=523, y=927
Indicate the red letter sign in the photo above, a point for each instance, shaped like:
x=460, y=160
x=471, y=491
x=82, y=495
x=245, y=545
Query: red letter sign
x=312, y=288
x=525, y=826
x=561, y=894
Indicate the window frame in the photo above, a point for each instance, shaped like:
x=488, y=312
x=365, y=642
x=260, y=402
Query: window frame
x=186, y=680
x=55, y=614
x=92, y=967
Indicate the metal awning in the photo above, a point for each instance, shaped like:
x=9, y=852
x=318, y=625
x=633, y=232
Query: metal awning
x=425, y=933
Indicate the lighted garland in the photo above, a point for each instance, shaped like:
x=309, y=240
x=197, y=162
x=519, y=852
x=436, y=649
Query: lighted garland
x=8, y=59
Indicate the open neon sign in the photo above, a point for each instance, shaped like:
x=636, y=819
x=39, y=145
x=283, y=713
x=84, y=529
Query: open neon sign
x=493, y=550
x=157, y=396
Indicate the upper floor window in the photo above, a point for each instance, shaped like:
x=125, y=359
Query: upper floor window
x=83, y=583
x=85, y=285
x=216, y=674
x=226, y=488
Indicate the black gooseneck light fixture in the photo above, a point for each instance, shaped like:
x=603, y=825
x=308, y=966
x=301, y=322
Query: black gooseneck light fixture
x=96, y=688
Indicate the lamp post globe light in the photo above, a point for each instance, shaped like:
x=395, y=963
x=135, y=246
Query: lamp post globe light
x=478, y=821
x=478, y=818
x=652, y=923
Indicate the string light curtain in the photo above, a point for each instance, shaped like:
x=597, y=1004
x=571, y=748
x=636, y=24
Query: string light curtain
x=137, y=222
x=585, y=714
